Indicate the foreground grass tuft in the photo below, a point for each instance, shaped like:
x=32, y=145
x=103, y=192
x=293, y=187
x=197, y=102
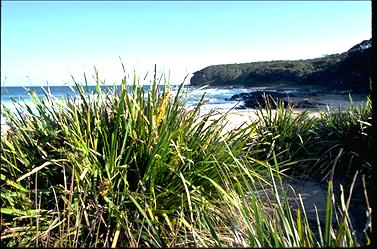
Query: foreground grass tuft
x=133, y=167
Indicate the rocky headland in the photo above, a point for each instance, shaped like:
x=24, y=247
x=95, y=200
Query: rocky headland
x=348, y=71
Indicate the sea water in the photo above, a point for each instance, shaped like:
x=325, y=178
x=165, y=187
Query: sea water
x=214, y=98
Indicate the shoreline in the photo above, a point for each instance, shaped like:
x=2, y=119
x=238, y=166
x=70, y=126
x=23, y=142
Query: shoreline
x=238, y=118
x=331, y=102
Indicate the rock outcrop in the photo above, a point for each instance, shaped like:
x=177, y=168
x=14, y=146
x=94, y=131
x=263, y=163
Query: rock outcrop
x=260, y=98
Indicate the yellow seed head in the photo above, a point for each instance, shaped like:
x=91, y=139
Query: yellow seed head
x=161, y=108
x=104, y=187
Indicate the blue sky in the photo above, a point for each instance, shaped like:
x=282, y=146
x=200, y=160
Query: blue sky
x=50, y=41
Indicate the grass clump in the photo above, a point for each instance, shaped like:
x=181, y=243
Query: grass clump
x=283, y=132
x=312, y=144
x=351, y=132
x=335, y=147
x=133, y=167
x=101, y=165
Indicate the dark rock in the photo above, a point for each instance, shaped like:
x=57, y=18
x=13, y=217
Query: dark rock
x=240, y=96
x=260, y=99
x=246, y=96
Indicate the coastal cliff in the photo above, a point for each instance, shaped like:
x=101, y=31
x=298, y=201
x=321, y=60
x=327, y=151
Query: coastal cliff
x=350, y=70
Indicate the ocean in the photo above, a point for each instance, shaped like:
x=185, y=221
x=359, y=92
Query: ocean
x=215, y=98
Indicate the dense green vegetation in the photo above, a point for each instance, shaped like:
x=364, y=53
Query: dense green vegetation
x=136, y=168
x=319, y=140
x=350, y=70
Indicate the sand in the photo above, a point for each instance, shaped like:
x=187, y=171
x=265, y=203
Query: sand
x=241, y=118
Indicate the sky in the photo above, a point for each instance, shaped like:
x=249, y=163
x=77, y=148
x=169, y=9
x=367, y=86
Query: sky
x=49, y=42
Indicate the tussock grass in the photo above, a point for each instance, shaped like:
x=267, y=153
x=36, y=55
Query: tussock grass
x=313, y=144
x=136, y=168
